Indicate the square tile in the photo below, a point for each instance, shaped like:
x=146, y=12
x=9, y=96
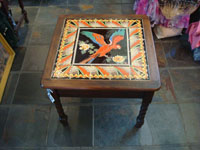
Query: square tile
x=127, y=9
x=42, y=35
x=35, y=58
x=79, y=132
x=26, y=2
x=10, y=88
x=186, y=84
x=108, y=1
x=166, y=124
x=29, y=90
x=162, y=62
x=179, y=54
x=167, y=92
x=49, y=15
x=31, y=13
x=167, y=147
x=54, y=2
x=191, y=118
x=108, y=8
x=19, y=58
x=3, y=117
x=114, y=126
x=80, y=9
x=26, y=126
x=24, y=34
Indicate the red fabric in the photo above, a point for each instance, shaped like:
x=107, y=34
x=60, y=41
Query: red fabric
x=194, y=34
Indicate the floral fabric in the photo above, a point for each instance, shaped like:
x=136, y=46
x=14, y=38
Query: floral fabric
x=151, y=9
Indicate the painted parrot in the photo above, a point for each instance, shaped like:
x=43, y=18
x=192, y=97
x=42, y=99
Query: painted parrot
x=105, y=48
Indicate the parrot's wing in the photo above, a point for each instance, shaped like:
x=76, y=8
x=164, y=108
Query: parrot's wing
x=116, y=33
x=96, y=38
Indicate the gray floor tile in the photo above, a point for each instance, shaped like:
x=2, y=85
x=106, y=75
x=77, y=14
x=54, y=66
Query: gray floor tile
x=35, y=58
x=127, y=9
x=128, y=1
x=186, y=84
x=117, y=100
x=119, y=148
x=24, y=35
x=107, y=8
x=26, y=126
x=10, y=88
x=166, y=92
x=114, y=126
x=171, y=147
x=166, y=124
x=79, y=132
x=42, y=34
x=64, y=148
x=19, y=58
x=31, y=13
x=76, y=100
x=80, y=9
x=54, y=2
x=191, y=118
x=29, y=90
x=162, y=62
x=108, y=1
x=3, y=117
x=196, y=147
x=49, y=15
x=179, y=54
x=26, y=2
x=76, y=2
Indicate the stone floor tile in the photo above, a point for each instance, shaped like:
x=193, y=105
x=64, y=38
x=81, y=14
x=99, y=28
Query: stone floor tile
x=195, y=147
x=10, y=88
x=76, y=2
x=120, y=148
x=186, y=84
x=24, y=148
x=167, y=147
x=191, y=118
x=19, y=58
x=166, y=124
x=24, y=34
x=127, y=9
x=64, y=148
x=26, y=2
x=35, y=58
x=108, y=1
x=76, y=100
x=179, y=54
x=107, y=8
x=42, y=34
x=130, y=2
x=114, y=126
x=31, y=12
x=79, y=132
x=3, y=117
x=29, y=90
x=162, y=62
x=49, y=15
x=26, y=126
x=80, y=9
x=166, y=93
x=54, y=2
x=117, y=100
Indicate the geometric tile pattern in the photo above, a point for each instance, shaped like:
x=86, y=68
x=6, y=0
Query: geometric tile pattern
x=102, y=49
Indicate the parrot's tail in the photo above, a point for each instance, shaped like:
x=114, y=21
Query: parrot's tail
x=90, y=59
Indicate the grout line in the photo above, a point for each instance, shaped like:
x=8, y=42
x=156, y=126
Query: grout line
x=92, y=124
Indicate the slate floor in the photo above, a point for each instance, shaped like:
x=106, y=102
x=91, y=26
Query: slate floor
x=28, y=121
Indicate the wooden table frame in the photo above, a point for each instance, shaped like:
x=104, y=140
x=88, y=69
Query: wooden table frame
x=102, y=88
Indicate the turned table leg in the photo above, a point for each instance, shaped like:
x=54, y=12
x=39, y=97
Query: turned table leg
x=143, y=109
x=54, y=97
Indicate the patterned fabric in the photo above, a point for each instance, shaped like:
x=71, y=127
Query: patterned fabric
x=151, y=8
x=102, y=49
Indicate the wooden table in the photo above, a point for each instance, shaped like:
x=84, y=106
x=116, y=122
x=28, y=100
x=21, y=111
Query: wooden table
x=102, y=56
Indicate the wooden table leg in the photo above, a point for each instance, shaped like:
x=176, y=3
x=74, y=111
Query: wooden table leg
x=56, y=100
x=143, y=109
